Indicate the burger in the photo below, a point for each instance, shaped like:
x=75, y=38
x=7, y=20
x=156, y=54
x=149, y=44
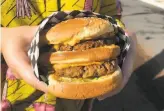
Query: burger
x=83, y=58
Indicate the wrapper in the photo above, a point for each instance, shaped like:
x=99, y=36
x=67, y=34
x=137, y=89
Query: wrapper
x=59, y=16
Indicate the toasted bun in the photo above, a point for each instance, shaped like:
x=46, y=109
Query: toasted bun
x=90, y=55
x=72, y=31
x=75, y=89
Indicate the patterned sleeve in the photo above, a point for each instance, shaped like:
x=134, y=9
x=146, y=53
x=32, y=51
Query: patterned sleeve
x=112, y=8
x=108, y=7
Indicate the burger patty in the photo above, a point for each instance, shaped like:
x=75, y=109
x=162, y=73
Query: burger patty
x=86, y=45
x=88, y=71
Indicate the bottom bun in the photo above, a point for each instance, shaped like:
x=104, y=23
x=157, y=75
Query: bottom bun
x=82, y=89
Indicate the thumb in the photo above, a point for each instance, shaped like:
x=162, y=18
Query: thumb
x=20, y=64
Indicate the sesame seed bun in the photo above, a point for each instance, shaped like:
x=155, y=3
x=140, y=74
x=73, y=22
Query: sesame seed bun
x=73, y=31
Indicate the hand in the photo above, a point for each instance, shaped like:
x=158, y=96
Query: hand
x=15, y=44
x=127, y=67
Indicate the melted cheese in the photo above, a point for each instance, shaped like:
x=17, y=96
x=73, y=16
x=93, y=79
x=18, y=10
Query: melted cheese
x=56, y=46
x=62, y=66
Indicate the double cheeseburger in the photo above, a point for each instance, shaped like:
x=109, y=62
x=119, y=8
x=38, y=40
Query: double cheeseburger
x=83, y=58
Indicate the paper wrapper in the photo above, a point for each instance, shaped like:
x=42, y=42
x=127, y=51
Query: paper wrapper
x=57, y=17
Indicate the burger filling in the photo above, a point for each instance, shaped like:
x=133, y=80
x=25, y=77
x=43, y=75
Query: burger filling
x=86, y=71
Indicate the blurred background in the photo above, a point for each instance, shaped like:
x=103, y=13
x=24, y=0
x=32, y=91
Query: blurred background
x=145, y=90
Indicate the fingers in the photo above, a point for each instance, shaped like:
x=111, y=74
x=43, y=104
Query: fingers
x=128, y=65
x=16, y=42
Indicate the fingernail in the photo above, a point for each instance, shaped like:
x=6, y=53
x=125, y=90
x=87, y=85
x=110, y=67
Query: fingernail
x=9, y=75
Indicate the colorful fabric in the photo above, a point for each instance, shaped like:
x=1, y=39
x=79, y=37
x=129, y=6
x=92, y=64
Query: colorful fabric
x=43, y=8
x=21, y=95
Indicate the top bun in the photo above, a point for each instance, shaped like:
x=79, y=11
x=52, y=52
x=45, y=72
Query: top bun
x=72, y=31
